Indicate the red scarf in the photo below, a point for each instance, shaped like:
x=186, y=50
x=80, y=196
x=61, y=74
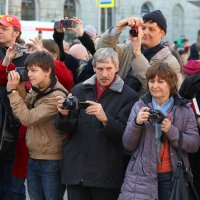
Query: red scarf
x=100, y=90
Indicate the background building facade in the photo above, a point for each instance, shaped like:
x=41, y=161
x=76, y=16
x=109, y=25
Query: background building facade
x=183, y=17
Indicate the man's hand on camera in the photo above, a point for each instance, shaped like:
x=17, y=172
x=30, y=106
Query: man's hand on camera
x=13, y=80
x=97, y=110
x=60, y=101
x=137, y=42
x=79, y=26
x=131, y=22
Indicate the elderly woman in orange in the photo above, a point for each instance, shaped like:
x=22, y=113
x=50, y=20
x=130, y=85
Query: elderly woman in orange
x=152, y=133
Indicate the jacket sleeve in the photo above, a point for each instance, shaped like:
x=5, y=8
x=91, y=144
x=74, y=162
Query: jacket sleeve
x=88, y=43
x=3, y=73
x=133, y=132
x=111, y=41
x=191, y=139
x=58, y=38
x=115, y=126
x=37, y=115
x=66, y=124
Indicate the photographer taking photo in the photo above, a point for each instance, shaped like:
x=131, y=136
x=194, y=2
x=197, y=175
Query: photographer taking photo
x=153, y=175
x=37, y=111
x=93, y=157
x=136, y=55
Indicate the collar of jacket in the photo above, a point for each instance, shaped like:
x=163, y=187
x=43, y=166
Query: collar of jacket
x=195, y=78
x=178, y=100
x=49, y=88
x=117, y=85
x=161, y=55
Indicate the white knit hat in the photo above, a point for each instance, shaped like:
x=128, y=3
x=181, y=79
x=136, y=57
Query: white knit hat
x=91, y=31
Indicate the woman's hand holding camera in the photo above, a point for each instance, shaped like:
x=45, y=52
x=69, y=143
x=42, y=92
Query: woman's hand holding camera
x=13, y=80
x=143, y=115
x=166, y=125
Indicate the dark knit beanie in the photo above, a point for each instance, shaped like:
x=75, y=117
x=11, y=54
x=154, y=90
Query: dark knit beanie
x=157, y=17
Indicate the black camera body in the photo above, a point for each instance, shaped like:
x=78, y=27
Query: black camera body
x=64, y=23
x=133, y=31
x=156, y=116
x=22, y=73
x=73, y=103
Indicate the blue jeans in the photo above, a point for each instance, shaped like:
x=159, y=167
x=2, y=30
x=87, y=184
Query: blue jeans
x=164, y=185
x=11, y=188
x=44, y=179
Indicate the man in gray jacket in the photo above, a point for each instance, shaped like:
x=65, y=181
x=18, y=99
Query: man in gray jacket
x=140, y=51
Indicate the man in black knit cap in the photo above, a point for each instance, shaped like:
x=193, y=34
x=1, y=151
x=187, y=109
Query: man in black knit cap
x=142, y=49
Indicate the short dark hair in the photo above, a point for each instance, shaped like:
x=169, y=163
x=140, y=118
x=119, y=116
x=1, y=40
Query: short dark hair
x=42, y=59
x=163, y=71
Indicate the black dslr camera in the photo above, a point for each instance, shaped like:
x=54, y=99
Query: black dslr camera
x=64, y=23
x=22, y=73
x=73, y=103
x=133, y=31
x=156, y=116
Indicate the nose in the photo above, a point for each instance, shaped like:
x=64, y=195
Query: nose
x=29, y=73
x=104, y=73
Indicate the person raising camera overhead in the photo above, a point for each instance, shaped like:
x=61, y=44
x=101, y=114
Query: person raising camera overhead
x=161, y=111
x=136, y=55
x=93, y=158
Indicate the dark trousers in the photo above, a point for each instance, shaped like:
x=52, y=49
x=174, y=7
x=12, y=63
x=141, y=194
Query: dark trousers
x=164, y=185
x=11, y=188
x=79, y=192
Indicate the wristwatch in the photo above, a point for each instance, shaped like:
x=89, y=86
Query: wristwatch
x=11, y=91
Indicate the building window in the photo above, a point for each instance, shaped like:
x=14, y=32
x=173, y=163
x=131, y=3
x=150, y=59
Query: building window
x=178, y=22
x=28, y=10
x=69, y=8
x=106, y=13
x=146, y=8
x=2, y=7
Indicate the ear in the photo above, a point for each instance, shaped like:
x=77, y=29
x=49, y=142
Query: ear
x=162, y=33
x=116, y=68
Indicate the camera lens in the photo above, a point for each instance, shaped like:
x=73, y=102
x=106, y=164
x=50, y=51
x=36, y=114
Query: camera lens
x=133, y=32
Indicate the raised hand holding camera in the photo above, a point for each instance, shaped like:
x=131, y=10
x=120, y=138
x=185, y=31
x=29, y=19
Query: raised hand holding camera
x=13, y=80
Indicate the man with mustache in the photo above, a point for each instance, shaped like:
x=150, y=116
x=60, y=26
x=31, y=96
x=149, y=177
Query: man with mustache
x=93, y=158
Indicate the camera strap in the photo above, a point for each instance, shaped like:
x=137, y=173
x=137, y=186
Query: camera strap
x=49, y=90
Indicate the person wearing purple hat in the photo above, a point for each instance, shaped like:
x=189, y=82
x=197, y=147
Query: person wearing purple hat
x=143, y=48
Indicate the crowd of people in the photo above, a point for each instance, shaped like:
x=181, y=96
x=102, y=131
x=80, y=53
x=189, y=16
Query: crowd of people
x=99, y=118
